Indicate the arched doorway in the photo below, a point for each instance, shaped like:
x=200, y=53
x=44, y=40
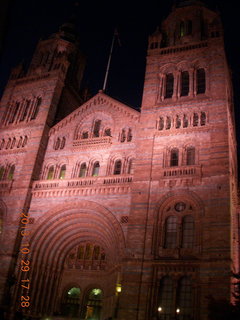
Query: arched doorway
x=94, y=304
x=71, y=303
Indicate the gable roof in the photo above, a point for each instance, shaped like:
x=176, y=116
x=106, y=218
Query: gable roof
x=99, y=99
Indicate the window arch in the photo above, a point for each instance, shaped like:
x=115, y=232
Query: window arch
x=169, y=85
x=96, y=168
x=201, y=81
x=161, y=124
x=83, y=170
x=130, y=167
x=117, y=167
x=50, y=173
x=187, y=232
x=62, y=172
x=71, y=302
x=174, y=157
x=170, y=240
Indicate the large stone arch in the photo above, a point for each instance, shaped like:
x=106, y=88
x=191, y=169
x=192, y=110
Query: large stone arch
x=57, y=232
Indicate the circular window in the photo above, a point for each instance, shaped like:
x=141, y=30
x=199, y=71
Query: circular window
x=180, y=206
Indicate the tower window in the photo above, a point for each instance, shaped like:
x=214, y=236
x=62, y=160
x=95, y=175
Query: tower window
x=195, y=119
x=117, y=167
x=174, y=158
x=203, y=119
x=50, y=173
x=169, y=85
x=178, y=122
x=83, y=170
x=123, y=135
x=130, y=167
x=201, y=81
x=96, y=168
x=168, y=123
x=63, y=143
x=190, y=156
x=14, y=112
x=62, y=172
x=184, y=83
x=129, y=135
x=96, y=128
x=36, y=108
x=185, y=121
x=161, y=124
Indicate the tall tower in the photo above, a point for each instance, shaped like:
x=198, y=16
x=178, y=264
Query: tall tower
x=30, y=104
x=183, y=217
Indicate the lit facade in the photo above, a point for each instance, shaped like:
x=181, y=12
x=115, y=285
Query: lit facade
x=129, y=215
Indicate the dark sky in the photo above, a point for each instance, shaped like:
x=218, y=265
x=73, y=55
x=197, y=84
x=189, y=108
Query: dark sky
x=32, y=19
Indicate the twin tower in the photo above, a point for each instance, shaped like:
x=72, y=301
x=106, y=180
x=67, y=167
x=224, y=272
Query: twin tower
x=111, y=213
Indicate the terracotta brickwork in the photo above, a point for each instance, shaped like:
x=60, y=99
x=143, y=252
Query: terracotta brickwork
x=115, y=198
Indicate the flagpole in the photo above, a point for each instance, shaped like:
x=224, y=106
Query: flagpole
x=109, y=61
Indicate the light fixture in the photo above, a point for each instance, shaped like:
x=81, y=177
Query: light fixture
x=159, y=309
x=118, y=288
x=178, y=310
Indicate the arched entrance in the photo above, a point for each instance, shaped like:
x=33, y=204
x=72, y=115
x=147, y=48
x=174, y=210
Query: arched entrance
x=71, y=303
x=94, y=304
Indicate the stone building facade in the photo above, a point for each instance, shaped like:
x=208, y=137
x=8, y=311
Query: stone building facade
x=110, y=212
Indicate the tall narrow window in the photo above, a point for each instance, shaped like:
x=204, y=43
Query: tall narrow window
x=19, y=145
x=117, y=167
x=168, y=123
x=63, y=143
x=169, y=85
x=184, y=297
x=2, y=144
x=203, y=119
x=129, y=135
x=1, y=172
x=13, y=143
x=25, y=110
x=11, y=172
x=170, y=232
x=174, y=158
x=36, y=108
x=50, y=173
x=184, y=83
x=24, y=141
x=166, y=297
x=8, y=143
x=96, y=128
x=83, y=170
x=201, y=81
x=96, y=168
x=57, y=144
x=178, y=122
x=161, y=124
x=123, y=136
x=182, y=29
x=195, y=119
x=190, y=156
x=62, y=172
x=130, y=167
x=188, y=232
x=14, y=112
x=185, y=121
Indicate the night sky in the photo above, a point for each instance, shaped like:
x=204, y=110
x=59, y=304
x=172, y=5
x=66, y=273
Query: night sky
x=31, y=20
